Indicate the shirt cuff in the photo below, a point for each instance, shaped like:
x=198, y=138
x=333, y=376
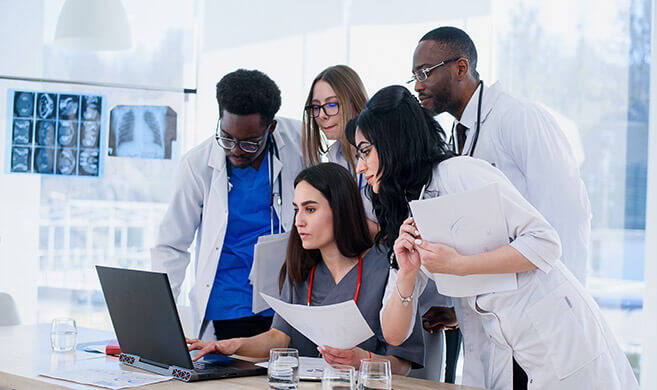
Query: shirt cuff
x=534, y=256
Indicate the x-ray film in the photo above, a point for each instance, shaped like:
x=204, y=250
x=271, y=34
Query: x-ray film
x=142, y=131
x=55, y=133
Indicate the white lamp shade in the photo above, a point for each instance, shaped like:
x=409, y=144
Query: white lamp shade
x=93, y=25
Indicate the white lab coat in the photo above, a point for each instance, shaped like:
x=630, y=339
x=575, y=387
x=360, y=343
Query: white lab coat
x=199, y=207
x=550, y=324
x=525, y=142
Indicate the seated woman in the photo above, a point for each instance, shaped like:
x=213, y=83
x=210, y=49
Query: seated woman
x=330, y=260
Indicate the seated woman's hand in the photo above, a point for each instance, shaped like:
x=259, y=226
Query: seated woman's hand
x=438, y=258
x=223, y=347
x=349, y=357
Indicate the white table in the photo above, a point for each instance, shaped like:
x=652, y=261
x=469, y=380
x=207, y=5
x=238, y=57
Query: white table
x=25, y=352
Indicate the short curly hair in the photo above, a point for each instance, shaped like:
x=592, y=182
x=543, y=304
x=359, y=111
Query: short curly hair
x=246, y=92
x=457, y=43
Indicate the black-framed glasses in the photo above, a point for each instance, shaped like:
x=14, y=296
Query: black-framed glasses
x=363, y=152
x=330, y=109
x=229, y=143
x=422, y=74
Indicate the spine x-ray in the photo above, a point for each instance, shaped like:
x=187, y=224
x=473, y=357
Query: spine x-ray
x=55, y=133
x=142, y=131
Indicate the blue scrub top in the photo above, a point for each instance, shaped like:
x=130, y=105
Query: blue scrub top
x=248, y=218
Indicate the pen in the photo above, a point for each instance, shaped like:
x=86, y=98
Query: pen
x=410, y=212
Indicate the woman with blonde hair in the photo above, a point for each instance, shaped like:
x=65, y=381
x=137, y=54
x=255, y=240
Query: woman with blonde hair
x=336, y=96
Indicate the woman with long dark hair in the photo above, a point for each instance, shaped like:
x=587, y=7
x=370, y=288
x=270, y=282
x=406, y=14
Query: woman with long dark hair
x=549, y=330
x=329, y=260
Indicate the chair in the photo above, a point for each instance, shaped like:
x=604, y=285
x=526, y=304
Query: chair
x=8, y=311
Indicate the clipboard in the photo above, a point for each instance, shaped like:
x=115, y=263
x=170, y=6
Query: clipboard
x=471, y=222
x=268, y=258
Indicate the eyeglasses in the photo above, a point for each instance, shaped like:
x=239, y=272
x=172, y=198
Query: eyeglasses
x=330, y=109
x=422, y=74
x=363, y=152
x=246, y=146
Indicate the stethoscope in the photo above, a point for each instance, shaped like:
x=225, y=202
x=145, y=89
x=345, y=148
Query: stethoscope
x=476, y=134
x=360, y=275
x=277, y=196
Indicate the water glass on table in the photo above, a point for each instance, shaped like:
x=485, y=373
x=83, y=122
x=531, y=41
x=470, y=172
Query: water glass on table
x=374, y=374
x=339, y=377
x=283, y=369
x=63, y=334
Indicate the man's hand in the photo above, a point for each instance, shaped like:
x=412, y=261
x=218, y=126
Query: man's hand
x=438, y=318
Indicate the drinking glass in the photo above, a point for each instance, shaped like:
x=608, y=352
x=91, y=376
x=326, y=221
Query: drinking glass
x=63, y=334
x=339, y=377
x=283, y=369
x=374, y=374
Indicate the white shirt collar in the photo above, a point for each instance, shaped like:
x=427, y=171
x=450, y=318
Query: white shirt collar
x=469, y=116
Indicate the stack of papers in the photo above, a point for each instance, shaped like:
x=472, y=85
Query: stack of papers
x=268, y=258
x=111, y=378
x=470, y=222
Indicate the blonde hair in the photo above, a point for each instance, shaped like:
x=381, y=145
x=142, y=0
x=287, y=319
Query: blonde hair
x=352, y=98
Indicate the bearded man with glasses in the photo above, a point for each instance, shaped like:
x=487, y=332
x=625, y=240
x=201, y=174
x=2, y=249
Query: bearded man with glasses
x=231, y=189
x=520, y=138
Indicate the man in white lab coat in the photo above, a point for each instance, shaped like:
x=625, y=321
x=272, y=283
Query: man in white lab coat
x=518, y=137
x=229, y=190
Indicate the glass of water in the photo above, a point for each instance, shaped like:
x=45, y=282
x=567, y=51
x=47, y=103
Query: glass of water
x=374, y=374
x=63, y=334
x=339, y=377
x=283, y=369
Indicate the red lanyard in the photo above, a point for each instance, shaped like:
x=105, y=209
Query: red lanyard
x=360, y=274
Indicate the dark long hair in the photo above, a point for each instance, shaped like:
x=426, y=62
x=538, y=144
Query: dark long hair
x=350, y=230
x=409, y=143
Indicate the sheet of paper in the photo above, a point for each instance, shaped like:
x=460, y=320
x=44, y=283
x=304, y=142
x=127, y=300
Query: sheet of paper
x=109, y=378
x=339, y=326
x=470, y=222
x=98, y=348
x=309, y=367
x=268, y=258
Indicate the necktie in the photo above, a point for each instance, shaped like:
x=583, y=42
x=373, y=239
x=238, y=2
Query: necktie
x=460, y=137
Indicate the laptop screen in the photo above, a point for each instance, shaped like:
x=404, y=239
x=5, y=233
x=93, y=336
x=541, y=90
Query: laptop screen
x=144, y=315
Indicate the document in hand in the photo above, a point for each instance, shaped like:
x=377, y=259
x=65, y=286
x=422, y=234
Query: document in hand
x=268, y=258
x=470, y=222
x=339, y=326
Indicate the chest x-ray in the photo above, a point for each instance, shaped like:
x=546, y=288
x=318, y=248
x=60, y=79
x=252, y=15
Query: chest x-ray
x=142, y=131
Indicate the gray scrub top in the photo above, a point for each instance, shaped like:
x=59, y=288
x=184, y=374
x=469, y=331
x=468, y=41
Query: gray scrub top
x=326, y=292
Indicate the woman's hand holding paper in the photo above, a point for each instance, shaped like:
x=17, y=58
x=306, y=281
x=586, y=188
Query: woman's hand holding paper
x=349, y=357
x=439, y=258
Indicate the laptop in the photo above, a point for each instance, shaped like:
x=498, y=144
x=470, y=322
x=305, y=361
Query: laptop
x=149, y=332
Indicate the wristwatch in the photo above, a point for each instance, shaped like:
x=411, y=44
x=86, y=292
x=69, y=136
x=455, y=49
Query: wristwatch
x=405, y=301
